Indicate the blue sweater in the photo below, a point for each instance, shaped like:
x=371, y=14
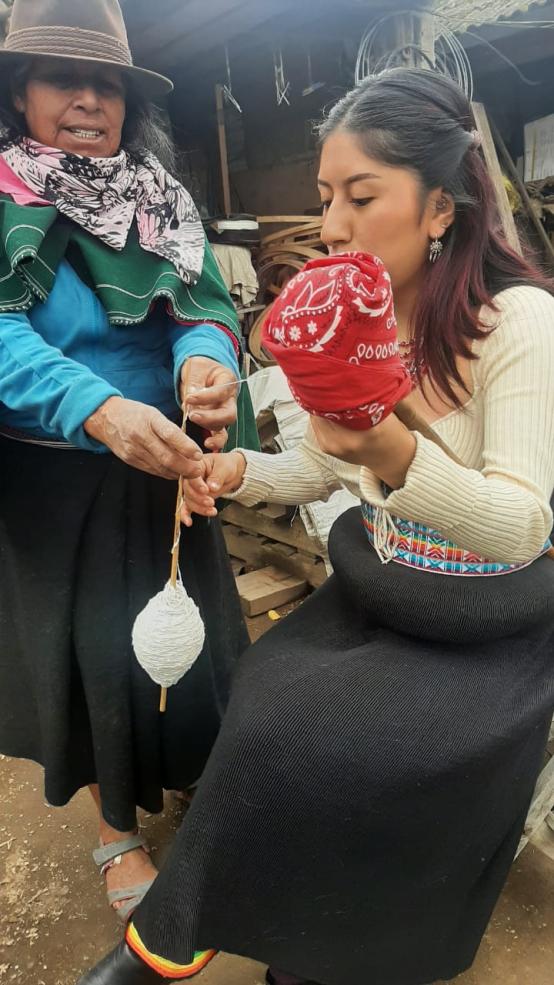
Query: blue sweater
x=63, y=359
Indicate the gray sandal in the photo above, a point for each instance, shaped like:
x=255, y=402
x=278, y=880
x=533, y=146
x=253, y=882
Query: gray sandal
x=109, y=855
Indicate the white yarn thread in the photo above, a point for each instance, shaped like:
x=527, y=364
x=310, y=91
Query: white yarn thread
x=168, y=635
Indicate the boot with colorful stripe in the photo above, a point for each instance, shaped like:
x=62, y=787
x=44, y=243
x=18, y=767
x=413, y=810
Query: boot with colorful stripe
x=131, y=963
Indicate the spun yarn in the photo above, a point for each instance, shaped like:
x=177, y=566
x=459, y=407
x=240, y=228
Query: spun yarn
x=168, y=635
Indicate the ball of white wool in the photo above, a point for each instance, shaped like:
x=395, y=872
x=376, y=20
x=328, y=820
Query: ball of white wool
x=168, y=635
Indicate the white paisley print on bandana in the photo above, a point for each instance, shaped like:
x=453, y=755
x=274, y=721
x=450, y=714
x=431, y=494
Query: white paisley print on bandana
x=105, y=195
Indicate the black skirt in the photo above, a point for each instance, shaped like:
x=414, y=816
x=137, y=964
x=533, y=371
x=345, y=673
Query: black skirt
x=363, y=803
x=84, y=543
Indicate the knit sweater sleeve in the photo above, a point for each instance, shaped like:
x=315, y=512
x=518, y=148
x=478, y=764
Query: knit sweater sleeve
x=500, y=510
x=301, y=475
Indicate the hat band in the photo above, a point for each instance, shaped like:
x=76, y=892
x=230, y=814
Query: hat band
x=75, y=42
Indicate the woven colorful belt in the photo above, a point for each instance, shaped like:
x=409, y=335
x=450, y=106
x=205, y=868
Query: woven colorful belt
x=417, y=546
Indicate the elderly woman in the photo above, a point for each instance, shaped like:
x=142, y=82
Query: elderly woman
x=107, y=293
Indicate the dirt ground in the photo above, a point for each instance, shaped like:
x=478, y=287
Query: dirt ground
x=55, y=923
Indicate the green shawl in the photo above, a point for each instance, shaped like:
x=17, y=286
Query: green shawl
x=34, y=240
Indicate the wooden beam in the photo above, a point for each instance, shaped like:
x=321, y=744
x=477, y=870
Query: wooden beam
x=495, y=171
x=223, y=159
x=411, y=35
x=427, y=35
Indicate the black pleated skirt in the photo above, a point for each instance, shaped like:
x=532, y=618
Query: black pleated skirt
x=363, y=803
x=84, y=543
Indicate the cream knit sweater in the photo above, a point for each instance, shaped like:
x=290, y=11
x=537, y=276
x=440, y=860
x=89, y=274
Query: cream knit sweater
x=497, y=502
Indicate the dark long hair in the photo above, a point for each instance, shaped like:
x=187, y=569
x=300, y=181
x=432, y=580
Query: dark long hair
x=417, y=119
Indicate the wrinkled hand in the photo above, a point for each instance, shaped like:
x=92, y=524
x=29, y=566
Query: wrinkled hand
x=142, y=437
x=216, y=408
x=221, y=474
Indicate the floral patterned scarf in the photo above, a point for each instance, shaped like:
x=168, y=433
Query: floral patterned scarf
x=105, y=195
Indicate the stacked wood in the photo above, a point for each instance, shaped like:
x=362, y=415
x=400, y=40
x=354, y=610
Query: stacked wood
x=271, y=537
x=268, y=588
x=282, y=255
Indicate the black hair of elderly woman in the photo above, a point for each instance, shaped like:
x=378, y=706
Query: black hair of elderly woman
x=111, y=305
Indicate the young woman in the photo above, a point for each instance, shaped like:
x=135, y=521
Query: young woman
x=363, y=803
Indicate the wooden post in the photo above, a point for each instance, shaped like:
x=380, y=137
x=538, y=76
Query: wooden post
x=495, y=171
x=220, y=106
x=520, y=185
x=411, y=34
x=427, y=36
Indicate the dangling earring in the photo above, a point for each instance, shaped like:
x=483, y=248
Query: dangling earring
x=435, y=249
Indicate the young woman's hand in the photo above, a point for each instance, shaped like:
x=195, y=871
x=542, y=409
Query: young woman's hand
x=386, y=449
x=221, y=474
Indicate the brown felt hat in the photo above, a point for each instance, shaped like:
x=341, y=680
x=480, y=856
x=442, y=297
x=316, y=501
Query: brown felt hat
x=84, y=30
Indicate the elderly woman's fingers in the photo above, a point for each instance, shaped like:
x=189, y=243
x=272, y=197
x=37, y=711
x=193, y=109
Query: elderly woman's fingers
x=172, y=449
x=206, y=385
x=215, y=394
x=215, y=419
x=142, y=437
x=145, y=464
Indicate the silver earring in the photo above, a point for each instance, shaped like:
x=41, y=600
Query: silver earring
x=435, y=250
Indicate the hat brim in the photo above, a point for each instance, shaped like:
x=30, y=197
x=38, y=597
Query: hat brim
x=152, y=85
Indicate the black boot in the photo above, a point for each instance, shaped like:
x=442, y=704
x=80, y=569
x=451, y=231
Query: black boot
x=122, y=967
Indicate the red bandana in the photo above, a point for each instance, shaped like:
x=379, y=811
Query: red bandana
x=333, y=332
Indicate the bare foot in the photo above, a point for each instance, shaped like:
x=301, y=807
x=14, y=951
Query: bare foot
x=134, y=868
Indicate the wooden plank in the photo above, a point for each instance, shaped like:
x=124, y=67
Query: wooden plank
x=304, y=566
x=245, y=546
x=293, y=534
x=290, y=219
x=493, y=165
x=284, y=549
x=260, y=551
x=267, y=589
x=274, y=511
